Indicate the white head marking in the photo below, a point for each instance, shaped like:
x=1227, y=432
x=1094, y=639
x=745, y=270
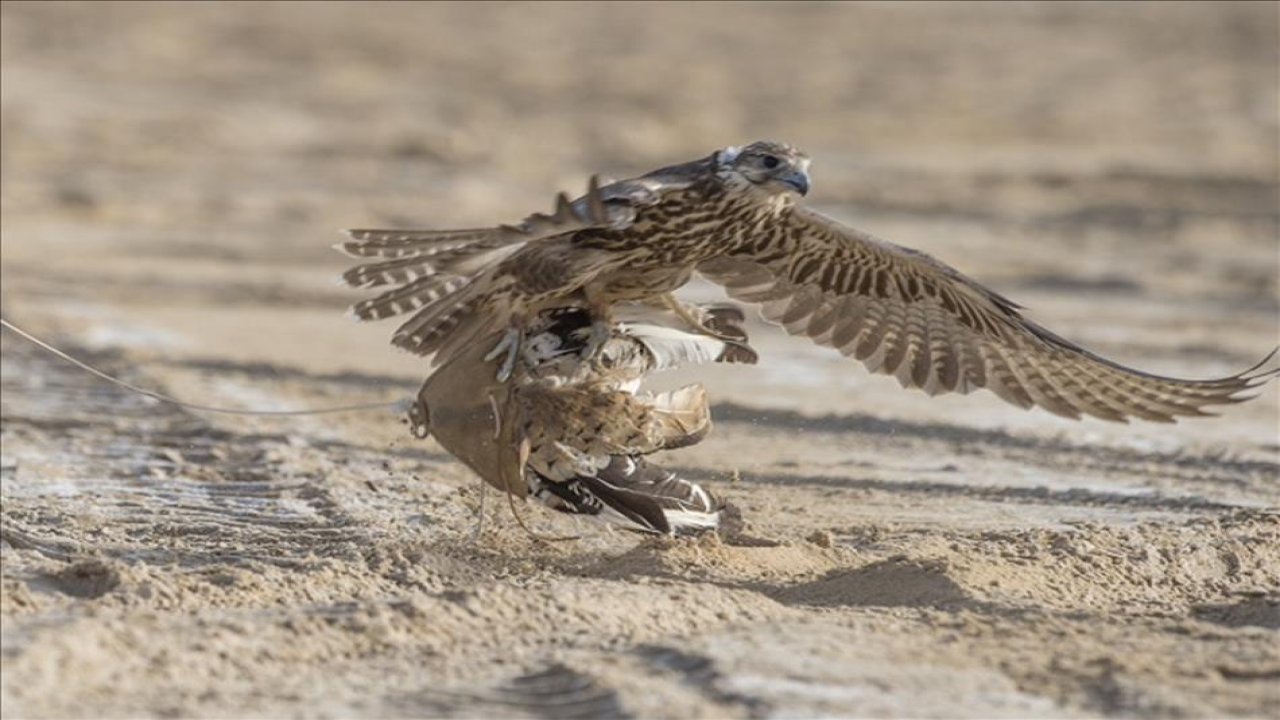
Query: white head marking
x=727, y=155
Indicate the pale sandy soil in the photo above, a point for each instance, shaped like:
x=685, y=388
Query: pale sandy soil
x=173, y=177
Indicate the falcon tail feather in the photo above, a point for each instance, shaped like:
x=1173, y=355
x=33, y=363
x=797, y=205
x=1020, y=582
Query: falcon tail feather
x=432, y=275
x=464, y=260
x=425, y=332
x=390, y=244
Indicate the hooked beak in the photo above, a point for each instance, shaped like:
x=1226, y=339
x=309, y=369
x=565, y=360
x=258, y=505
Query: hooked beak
x=797, y=180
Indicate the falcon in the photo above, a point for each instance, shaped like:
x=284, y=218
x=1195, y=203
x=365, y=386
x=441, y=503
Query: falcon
x=572, y=432
x=735, y=218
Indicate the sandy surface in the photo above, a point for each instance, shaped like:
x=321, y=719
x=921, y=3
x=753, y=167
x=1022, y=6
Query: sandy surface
x=173, y=177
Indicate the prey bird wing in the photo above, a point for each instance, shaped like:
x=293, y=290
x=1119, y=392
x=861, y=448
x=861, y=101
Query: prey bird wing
x=645, y=342
x=584, y=438
x=575, y=430
x=583, y=447
x=578, y=418
x=903, y=313
x=650, y=332
x=569, y=431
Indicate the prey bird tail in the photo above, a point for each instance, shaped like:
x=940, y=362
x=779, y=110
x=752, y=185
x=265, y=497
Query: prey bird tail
x=636, y=495
x=685, y=506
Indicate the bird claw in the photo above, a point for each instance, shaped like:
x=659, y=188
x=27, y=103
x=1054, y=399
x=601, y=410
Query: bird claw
x=600, y=333
x=698, y=319
x=509, y=344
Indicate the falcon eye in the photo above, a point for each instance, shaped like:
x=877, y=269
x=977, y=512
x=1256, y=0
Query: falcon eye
x=770, y=162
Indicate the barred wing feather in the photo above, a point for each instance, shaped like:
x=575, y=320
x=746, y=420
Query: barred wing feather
x=903, y=313
x=446, y=277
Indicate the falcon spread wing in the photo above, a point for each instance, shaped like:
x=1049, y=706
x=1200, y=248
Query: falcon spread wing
x=903, y=313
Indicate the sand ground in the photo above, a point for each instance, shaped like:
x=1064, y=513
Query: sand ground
x=173, y=176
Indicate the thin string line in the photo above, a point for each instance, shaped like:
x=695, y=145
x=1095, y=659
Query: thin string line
x=397, y=404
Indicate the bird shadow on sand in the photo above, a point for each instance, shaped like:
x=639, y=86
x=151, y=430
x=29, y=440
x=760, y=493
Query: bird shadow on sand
x=888, y=584
x=993, y=493
x=966, y=437
x=554, y=690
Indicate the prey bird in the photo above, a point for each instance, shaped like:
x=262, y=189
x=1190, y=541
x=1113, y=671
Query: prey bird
x=572, y=432
x=734, y=218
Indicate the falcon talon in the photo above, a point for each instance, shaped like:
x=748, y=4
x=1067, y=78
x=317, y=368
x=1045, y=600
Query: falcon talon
x=599, y=335
x=509, y=344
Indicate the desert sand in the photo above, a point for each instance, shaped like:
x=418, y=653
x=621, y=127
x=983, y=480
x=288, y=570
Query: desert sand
x=174, y=176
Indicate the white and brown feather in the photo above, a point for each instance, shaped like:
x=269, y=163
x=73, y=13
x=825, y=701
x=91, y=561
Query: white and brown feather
x=571, y=432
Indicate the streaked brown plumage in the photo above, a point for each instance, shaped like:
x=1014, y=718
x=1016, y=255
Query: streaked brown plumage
x=733, y=218
x=572, y=432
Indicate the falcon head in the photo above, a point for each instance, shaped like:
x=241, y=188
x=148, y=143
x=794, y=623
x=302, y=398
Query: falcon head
x=765, y=166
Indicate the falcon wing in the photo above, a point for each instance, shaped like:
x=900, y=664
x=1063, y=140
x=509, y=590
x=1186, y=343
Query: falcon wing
x=421, y=261
x=903, y=313
x=440, y=275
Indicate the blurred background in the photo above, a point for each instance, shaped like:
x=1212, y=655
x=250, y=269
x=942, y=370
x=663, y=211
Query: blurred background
x=172, y=176
x=180, y=165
